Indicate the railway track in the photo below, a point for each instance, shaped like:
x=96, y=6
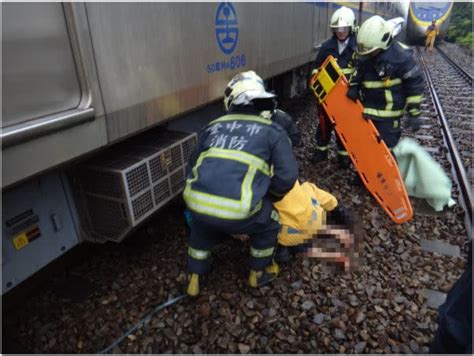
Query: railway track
x=461, y=71
x=387, y=306
x=450, y=88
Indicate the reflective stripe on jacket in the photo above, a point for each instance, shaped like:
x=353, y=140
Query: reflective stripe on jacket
x=237, y=161
x=390, y=84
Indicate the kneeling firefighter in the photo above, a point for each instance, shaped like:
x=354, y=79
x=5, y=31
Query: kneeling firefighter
x=241, y=164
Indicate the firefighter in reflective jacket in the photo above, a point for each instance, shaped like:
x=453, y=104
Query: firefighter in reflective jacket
x=342, y=46
x=431, y=32
x=387, y=80
x=241, y=164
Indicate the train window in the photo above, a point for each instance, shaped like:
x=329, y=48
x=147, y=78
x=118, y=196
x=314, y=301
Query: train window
x=432, y=5
x=427, y=11
x=39, y=74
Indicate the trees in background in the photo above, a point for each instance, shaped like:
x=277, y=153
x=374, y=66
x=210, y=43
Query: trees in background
x=460, y=27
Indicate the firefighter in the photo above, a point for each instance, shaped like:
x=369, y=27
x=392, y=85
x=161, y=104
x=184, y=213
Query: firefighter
x=431, y=32
x=241, y=164
x=387, y=80
x=342, y=46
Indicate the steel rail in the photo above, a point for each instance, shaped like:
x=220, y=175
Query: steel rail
x=457, y=67
x=458, y=166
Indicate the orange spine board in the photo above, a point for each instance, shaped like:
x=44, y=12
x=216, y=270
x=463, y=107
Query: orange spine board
x=368, y=152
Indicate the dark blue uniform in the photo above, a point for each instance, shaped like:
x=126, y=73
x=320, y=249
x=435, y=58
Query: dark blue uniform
x=241, y=162
x=454, y=334
x=287, y=123
x=345, y=60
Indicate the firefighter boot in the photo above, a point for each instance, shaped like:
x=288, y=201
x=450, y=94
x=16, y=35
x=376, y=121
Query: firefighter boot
x=343, y=161
x=282, y=254
x=260, y=278
x=319, y=156
x=193, y=285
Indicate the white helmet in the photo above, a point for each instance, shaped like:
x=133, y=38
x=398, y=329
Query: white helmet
x=343, y=17
x=397, y=24
x=243, y=88
x=375, y=33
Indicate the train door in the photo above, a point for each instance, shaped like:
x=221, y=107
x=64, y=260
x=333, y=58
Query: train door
x=49, y=116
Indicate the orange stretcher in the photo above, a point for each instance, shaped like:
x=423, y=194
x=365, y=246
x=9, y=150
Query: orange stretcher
x=375, y=164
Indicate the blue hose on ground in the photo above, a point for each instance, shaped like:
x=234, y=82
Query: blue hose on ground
x=141, y=322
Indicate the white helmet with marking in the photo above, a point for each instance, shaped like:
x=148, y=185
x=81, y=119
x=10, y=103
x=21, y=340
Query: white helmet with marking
x=243, y=88
x=375, y=33
x=343, y=18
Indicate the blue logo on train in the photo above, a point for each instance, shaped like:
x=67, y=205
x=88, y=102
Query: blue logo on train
x=227, y=31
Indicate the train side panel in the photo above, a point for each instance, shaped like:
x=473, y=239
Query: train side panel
x=38, y=227
x=158, y=60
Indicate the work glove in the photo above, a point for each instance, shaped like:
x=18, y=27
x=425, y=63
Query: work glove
x=353, y=93
x=413, y=122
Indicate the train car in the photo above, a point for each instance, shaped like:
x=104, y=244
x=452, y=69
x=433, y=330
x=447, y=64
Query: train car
x=421, y=14
x=101, y=102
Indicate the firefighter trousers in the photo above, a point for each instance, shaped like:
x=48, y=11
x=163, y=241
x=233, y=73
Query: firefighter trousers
x=323, y=135
x=389, y=130
x=262, y=229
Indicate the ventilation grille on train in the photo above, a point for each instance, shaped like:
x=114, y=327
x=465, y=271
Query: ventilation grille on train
x=129, y=182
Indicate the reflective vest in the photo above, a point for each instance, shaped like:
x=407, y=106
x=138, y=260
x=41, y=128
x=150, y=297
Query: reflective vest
x=390, y=84
x=237, y=161
x=302, y=213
